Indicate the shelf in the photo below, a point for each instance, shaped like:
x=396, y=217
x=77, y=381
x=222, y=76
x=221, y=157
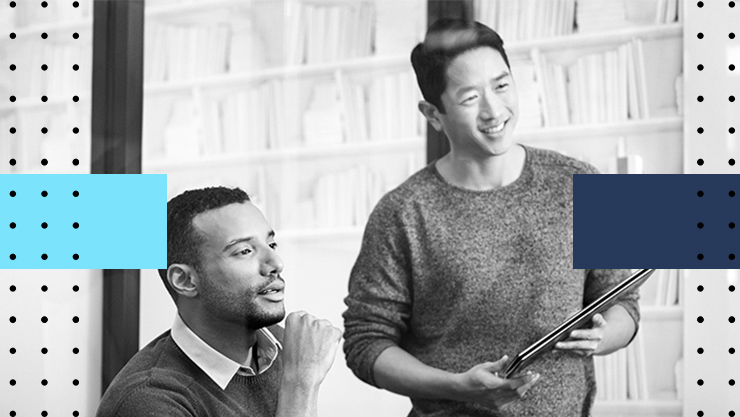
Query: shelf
x=661, y=312
x=612, y=37
x=638, y=408
x=599, y=130
x=266, y=156
x=224, y=80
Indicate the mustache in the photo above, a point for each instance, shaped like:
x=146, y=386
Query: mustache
x=271, y=283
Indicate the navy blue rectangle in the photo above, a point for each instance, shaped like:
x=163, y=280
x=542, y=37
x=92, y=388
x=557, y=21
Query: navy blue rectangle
x=652, y=221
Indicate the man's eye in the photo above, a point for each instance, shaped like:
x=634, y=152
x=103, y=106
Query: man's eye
x=502, y=86
x=245, y=251
x=469, y=99
x=274, y=245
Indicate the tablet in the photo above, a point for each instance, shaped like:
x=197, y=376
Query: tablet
x=545, y=344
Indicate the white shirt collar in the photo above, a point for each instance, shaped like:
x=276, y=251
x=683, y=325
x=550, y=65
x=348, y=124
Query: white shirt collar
x=218, y=367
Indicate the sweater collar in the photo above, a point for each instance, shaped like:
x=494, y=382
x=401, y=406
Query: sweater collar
x=218, y=367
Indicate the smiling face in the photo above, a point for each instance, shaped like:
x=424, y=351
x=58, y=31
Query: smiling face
x=239, y=280
x=481, y=104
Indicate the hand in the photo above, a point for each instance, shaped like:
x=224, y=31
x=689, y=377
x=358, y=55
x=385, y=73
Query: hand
x=309, y=348
x=481, y=384
x=585, y=342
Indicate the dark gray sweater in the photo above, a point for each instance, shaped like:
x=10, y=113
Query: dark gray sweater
x=160, y=380
x=459, y=277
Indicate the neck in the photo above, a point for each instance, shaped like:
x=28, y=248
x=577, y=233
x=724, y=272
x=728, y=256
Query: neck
x=230, y=339
x=482, y=174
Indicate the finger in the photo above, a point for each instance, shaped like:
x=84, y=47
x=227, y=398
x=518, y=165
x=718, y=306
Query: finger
x=585, y=345
x=599, y=320
x=584, y=334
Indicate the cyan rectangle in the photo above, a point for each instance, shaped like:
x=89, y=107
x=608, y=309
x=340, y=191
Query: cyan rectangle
x=122, y=221
x=652, y=221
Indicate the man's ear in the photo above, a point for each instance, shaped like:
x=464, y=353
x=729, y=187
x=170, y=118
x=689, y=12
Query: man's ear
x=183, y=279
x=430, y=111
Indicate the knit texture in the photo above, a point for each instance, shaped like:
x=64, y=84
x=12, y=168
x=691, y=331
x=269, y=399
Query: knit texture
x=160, y=380
x=458, y=277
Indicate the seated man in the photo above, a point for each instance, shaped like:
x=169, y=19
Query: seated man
x=225, y=354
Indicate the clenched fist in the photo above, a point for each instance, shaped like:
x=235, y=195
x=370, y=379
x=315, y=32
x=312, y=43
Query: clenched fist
x=309, y=347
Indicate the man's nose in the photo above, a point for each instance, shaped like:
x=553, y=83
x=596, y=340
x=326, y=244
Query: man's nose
x=272, y=264
x=491, y=106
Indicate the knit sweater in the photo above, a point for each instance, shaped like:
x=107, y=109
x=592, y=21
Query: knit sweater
x=160, y=380
x=458, y=277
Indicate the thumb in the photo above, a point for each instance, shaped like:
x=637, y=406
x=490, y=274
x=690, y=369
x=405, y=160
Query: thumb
x=500, y=364
x=598, y=320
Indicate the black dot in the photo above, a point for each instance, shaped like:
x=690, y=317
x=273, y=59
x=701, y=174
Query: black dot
x=12, y=67
x=76, y=130
x=44, y=99
x=75, y=256
x=700, y=319
x=731, y=161
x=75, y=288
x=12, y=162
x=44, y=350
x=732, y=256
x=700, y=35
x=75, y=67
x=75, y=382
x=75, y=351
x=75, y=225
x=12, y=225
x=12, y=288
x=44, y=413
x=44, y=288
x=44, y=382
x=732, y=130
x=76, y=4
x=75, y=99
x=76, y=193
x=12, y=99
x=700, y=288
x=700, y=193
x=75, y=413
x=44, y=35
x=731, y=319
x=12, y=35
x=700, y=382
x=732, y=193
x=12, y=382
x=732, y=413
x=12, y=131
x=732, y=351
x=731, y=225
x=75, y=162
x=732, y=67
x=700, y=67
x=44, y=130
x=700, y=414
x=700, y=98
x=75, y=35
x=732, y=382
x=732, y=99
x=44, y=256
x=700, y=162
x=700, y=256
x=731, y=288
x=12, y=4
x=44, y=319
x=731, y=35
x=700, y=4
x=44, y=225
x=44, y=67
x=700, y=225
x=44, y=193
x=44, y=4
x=700, y=350
x=75, y=319
x=12, y=319
x=732, y=4
x=12, y=193
x=12, y=257
x=44, y=162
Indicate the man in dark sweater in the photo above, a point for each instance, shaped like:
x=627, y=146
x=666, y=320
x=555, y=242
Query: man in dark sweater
x=225, y=354
x=470, y=260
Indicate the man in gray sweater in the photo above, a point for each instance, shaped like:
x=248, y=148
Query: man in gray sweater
x=225, y=354
x=470, y=260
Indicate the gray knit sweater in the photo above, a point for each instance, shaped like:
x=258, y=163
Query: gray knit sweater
x=458, y=277
x=160, y=380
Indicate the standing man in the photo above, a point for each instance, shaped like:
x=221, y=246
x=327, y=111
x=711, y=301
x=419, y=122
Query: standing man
x=469, y=261
x=225, y=354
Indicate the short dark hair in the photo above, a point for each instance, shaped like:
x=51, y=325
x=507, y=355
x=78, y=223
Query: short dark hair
x=183, y=240
x=444, y=41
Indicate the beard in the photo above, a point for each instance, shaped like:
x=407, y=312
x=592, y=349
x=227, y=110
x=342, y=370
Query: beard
x=241, y=307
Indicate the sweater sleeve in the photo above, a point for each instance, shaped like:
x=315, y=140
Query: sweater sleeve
x=147, y=400
x=600, y=281
x=379, y=300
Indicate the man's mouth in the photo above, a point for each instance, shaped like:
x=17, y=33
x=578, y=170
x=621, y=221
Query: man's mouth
x=490, y=130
